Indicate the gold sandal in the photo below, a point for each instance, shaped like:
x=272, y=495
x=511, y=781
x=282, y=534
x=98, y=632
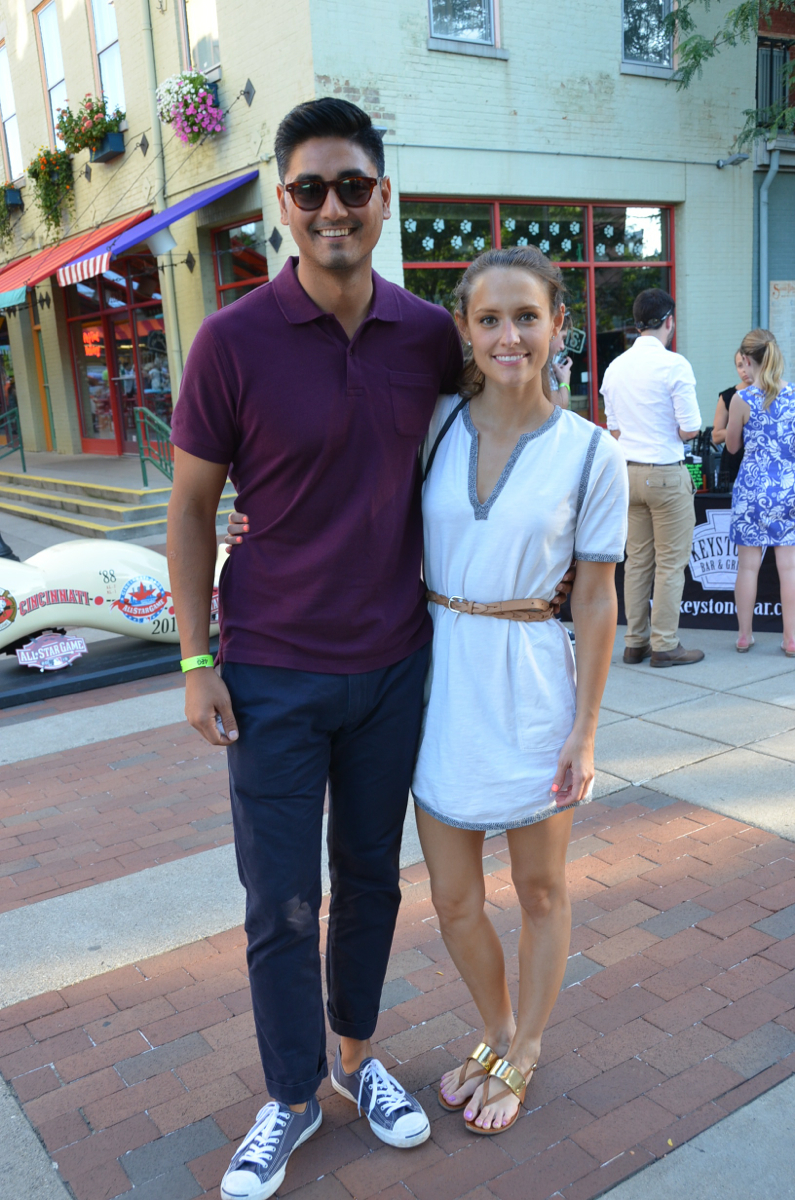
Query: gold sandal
x=514, y=1082
x=485, y=1057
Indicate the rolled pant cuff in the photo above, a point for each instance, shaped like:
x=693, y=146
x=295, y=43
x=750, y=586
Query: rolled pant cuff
x=361, y=1031
x=296, y=1093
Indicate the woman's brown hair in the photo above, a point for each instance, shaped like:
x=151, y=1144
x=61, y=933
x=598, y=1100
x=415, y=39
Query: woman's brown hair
x=762, y=347
x=527, y=258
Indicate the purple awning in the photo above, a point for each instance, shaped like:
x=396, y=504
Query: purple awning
x=98, y=260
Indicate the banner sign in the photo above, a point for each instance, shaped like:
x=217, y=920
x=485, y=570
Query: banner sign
x=708, y=598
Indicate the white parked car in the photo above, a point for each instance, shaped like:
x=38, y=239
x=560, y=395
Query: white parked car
x=87, y=583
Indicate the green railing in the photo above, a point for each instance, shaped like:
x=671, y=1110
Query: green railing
x=154, y=443
x=11, y=435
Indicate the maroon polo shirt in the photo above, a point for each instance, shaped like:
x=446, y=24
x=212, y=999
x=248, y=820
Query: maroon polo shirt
x=321, y=435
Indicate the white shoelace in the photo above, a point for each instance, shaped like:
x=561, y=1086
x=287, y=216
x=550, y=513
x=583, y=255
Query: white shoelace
x=265, y=1141
x=385, y=1091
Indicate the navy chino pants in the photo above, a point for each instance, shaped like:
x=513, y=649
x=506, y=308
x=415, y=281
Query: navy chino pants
x=298, y=730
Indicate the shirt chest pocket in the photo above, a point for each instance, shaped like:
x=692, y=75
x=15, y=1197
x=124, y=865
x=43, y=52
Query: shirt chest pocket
x=413, y=399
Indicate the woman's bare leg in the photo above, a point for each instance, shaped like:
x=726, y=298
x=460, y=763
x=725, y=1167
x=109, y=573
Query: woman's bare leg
x=538, y=868
x=785, y=562
x=749, y=560
x=455, y=861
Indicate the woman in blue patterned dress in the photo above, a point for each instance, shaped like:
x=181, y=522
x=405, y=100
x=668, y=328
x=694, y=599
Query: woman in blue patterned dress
x=762, y=417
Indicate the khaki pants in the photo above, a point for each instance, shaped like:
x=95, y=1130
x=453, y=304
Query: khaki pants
x=662, y=517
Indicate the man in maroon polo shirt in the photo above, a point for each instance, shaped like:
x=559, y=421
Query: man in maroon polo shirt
x=314, y=393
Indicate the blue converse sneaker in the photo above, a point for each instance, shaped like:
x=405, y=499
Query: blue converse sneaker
x=395, y=1116
x=260, y=1161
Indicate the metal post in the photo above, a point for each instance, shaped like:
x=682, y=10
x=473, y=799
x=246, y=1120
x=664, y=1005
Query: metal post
x=764, y=259
x=169, y=292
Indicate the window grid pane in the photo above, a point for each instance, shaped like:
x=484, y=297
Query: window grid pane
x=558, y=230
x=240, y=254
x=463, y=20
x=58, y=99
x=15, y=163
x=645, y=40
x=444, y=231
x=105, y=30
x=111, y=78
x=7, y=104
x=51, y=45
x=202, y=23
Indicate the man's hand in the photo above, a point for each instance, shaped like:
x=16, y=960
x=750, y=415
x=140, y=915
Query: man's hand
x=563, y=590
x=238, y=525
x=207, y=697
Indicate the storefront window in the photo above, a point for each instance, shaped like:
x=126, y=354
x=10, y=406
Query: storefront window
x=607, y=254
x=120, y=352
x=240, y=260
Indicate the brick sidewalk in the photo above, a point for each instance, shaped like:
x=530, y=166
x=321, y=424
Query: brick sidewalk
x=97, y=812
x=680, y=1008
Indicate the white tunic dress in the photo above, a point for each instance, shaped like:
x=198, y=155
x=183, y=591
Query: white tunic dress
x=500, y=695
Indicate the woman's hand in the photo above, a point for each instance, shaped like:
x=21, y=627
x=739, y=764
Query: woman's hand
x=575, y=772
x=238, y=525
x=563, y=371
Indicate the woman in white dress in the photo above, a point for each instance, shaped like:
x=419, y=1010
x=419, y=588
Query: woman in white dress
x=517, y=487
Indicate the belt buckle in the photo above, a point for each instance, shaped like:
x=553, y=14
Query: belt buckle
x=461, y=599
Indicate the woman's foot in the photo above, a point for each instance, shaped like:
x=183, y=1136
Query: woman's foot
x=744, y=644
x=497, y=1113
x=454, y=1092
x=789, y=647
x=502, y=1103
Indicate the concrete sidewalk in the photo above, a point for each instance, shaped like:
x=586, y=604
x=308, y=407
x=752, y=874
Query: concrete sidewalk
x=718, y=736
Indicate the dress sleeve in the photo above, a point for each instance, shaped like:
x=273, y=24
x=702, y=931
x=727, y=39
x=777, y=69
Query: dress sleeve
x=601, y=531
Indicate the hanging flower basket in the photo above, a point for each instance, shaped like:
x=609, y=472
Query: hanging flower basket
x=13, y=197
x=5, y=220
x=111, y=146
x=88, y=128
x=189, y=103
x=53, y=185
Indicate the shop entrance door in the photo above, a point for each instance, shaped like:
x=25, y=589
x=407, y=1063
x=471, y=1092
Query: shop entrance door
x=125, y=382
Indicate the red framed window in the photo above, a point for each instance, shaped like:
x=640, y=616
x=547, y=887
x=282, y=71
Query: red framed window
x=240, y=260
x=608, y=253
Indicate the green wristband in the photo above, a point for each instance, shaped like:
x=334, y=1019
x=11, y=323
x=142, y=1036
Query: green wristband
x=561, y=386
x=198, y=660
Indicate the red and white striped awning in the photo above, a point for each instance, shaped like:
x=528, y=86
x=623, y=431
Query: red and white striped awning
x=84, y=268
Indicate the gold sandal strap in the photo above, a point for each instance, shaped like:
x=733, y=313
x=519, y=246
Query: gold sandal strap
x=508, y=1074
x=484, y=1055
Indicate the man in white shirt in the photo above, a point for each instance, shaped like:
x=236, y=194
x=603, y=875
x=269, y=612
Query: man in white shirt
x=651, y=407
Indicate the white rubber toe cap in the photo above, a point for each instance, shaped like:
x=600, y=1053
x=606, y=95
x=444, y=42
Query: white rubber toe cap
x=243, y=1185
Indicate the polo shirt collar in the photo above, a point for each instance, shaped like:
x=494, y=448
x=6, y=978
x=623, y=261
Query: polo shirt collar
x=299, y=309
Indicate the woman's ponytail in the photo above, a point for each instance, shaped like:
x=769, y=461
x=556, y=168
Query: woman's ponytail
x=762, y=347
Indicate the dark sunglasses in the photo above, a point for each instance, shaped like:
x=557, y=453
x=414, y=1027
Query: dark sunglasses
x=310, y=194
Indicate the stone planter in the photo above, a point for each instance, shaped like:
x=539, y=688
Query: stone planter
x=111, y=146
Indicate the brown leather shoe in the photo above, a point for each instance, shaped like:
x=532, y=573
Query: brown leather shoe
x=675, y=658
x=636, y=654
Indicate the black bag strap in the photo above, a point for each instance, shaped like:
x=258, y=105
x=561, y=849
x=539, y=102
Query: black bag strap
x=441, y=434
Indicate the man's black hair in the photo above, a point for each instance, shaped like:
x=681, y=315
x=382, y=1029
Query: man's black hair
x=651, y=307
x=325, y=118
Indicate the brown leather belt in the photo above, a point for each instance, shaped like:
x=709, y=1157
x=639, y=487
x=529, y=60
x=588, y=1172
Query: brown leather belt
x=508, y=610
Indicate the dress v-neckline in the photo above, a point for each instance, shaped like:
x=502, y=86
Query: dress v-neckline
x=482, y=510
